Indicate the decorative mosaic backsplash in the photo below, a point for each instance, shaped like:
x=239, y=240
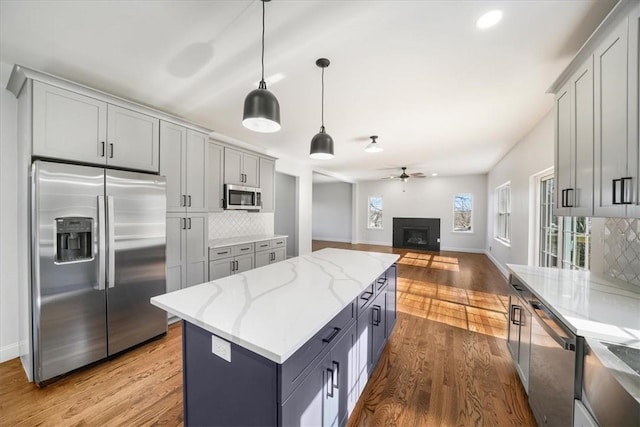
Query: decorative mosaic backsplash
x=622, y=249
x=239, y=223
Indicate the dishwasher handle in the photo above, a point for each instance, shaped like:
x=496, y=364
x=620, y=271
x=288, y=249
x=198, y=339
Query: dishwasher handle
x=567, y=342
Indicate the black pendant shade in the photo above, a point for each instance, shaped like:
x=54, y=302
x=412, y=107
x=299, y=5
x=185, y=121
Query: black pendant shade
x=322, y=143
x=261, y=108
x=321, y=146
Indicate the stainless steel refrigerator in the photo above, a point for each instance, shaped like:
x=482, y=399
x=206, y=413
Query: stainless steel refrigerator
x=98, y=256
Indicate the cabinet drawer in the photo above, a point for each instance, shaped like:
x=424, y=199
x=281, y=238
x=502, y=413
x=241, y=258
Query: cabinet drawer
x=278, y=243
x=365, y=298
x=242, y=249
x=381, y=282
x=218, y=253
x=263, y=246
x=296, y=368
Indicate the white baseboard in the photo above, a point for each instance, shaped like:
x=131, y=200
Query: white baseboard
x=332, y=239
x=372, y=242
x=9, y=352
x=502, y=269
x=468, y=250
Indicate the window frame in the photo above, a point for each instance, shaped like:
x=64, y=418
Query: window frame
x=369, y=206
x=455, y=211
x=503, y=214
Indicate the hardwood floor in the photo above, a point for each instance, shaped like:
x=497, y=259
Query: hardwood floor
x=445, y=364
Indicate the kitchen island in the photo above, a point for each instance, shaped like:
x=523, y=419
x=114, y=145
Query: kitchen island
x=289, y=343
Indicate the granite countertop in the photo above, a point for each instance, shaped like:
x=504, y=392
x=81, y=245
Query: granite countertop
x=601, y=309
x=275, y=309
x=240, y=240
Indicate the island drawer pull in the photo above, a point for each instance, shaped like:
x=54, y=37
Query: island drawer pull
x=330, y=377
x=377, y=312
x=334, y=334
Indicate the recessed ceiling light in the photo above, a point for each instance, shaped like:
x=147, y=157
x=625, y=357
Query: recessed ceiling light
x=489, y=19
x=434, y=174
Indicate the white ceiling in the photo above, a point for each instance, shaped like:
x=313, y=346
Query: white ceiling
x=442, y=95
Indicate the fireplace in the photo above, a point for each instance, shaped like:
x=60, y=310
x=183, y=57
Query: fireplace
x=416, y=233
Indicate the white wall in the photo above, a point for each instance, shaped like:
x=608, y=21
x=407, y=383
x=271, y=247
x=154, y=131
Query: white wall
x=529, y=156
x=304, y=174
x=425, y=198
x=285, y=218
x=8, y=219
x=332, y=211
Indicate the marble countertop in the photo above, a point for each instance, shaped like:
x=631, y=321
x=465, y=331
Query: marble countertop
x=241, y=240
x=273, y=310
x=590, y=305
x=599, y=308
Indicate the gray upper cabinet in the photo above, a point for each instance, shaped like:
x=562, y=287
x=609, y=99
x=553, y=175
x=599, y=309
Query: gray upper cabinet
x=574, y=144
x=215, y=177
x=241, y=168
x=132, y=139
x=633, y=210
x=67, y=125
x=71, y=126
x=267, y=184
x=183, y=160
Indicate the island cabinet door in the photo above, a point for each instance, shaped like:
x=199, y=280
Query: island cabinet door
x=378, y=328
x=305, y=406
x=392, y=313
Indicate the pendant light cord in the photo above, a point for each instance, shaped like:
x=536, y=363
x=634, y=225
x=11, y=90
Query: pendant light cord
x=322, y=109
x=262, y=84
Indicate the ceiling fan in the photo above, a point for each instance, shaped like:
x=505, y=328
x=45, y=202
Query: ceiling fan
x=404, y=176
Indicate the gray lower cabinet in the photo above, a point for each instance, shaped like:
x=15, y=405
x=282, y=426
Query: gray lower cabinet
x=230, y=260
x=519, y=330
x=316, y=386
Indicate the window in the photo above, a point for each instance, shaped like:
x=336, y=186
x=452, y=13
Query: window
x=375, y=213
x=563, y=242
x=548, y=247
x=462, y=212
x=576, y=237
x=503, y=223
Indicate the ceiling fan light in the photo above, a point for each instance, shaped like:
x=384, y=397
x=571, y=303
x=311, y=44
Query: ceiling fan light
x=321, y=146
x=261, y=111
x=373, y=148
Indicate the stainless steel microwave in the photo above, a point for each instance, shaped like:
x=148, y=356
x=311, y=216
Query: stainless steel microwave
x=240, y=197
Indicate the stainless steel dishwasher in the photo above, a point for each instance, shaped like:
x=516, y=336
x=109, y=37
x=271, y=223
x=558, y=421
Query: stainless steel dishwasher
x=555, y=350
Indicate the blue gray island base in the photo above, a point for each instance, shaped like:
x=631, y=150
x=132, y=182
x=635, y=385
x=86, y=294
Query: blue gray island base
x=318, y=385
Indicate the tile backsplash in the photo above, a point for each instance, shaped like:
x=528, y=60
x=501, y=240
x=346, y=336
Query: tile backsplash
x=622, y=249
x=239, y=223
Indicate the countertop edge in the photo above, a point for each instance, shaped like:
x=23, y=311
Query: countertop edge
x=232, y=241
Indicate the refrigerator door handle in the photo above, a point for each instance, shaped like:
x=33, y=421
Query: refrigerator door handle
x=101, y=244
x=111, y=243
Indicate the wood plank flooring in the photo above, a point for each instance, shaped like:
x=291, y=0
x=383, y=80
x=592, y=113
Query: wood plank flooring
x=446, y=363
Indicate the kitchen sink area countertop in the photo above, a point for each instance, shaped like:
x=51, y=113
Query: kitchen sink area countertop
x=604, y=310
x=240, y=240
x=275, y=309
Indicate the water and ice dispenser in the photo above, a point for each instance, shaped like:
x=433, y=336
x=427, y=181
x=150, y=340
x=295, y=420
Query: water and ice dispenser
x=73, y=239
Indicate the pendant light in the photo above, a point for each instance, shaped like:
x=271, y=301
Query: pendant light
x=322, y=143
x=261, y=107
x=373, y=147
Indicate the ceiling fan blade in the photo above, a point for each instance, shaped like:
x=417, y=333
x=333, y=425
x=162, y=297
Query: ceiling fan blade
x=418, y=175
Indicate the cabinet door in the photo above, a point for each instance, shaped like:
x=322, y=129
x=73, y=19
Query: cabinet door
x=267, y=180
x=196, y=171
x=68, y=126
x=263, y=258
x=197, y=245
x=220, y=268
x=176, y=252
x=633, y=211
x=133, y=139
x=243, y=263
x=581, y=196
x=378, y=328
x=173, y=164
x=513, y=330
x=363, y=344
x=391, y=312
x=215, y=177
x=563, y=152
x=233, y=166
x=524, y=352
x=251, y=170
x=343, y=362
x=305, y=405
x=279, y=254
x=611, y=113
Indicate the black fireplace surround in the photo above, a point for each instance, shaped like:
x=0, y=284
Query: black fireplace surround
x=417, y=233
